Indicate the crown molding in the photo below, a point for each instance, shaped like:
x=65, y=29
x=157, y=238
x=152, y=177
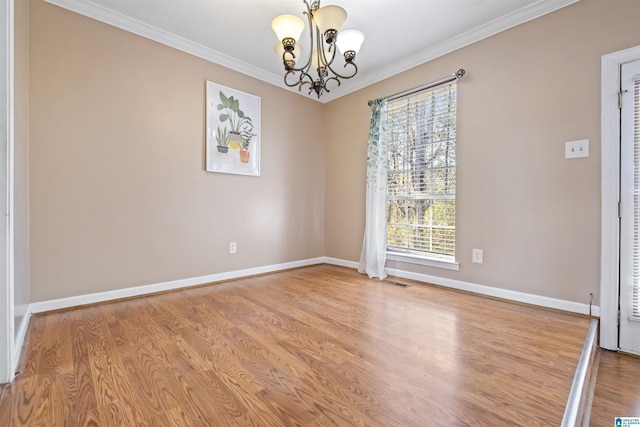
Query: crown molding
x=156, y=34
x=118, y=20
x=526, y=14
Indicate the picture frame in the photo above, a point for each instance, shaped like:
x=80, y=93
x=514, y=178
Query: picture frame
x=232, y=131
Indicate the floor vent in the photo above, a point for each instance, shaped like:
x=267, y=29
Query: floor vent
x=402, y=285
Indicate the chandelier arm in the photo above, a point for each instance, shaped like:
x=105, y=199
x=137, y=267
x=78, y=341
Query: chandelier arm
x=292, y=68
x=332, y=49
x=289, y=56
x=319, y=48
x=302, y=85
x=305, y=78
x=355, y=70
x=328, y=80
x=287, y=82
x=299, y=81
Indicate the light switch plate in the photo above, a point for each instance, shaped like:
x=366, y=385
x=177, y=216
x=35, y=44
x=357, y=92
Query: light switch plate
x=576, y=149
x=477, y=255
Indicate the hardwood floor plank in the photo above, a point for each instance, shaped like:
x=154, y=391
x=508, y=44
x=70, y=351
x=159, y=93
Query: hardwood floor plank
x=617, y=391
x=84, y=394
x=6, y=409
x=296, y=341
x=316, y=346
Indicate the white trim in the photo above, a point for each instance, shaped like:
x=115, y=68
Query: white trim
x=7, y=339
x=452, y=44
x=75, y=301
x=132, y=25
x=341, y=262
x=539, y=300
x=108, y=16
x=21, y=333
x=610, y=191
x=10, y=195
x=62, y=303
x=507, y=294
x=420, y=260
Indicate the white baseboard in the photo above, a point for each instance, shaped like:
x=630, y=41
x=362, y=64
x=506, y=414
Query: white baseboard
x=539, y=300
x=62, y=303
x=341, y=262
x=21, y=333
x=542, y=301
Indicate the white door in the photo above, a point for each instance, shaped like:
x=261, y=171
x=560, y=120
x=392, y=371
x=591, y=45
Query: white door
x=630, y=209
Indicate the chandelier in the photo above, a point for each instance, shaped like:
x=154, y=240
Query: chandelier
x=316, y=71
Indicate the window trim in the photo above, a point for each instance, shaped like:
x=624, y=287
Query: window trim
x=444, y=262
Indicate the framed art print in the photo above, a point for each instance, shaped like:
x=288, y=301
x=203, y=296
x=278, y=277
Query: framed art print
x=233, y=131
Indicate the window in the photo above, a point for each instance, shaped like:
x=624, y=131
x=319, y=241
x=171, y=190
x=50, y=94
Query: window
x=421, y=176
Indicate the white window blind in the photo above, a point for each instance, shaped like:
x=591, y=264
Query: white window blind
x=635, y=292
x=421, y=178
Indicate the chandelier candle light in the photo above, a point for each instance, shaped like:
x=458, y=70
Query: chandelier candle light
x=326, y=23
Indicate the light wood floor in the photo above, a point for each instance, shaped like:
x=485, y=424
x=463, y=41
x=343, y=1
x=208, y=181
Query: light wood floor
x=317, y=346
x=617, y=392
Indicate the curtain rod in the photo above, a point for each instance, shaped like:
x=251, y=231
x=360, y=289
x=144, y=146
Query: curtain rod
x=455, y=76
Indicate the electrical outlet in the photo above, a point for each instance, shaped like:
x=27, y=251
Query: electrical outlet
x=232, y=247
x=476, y=256
x=576, y=149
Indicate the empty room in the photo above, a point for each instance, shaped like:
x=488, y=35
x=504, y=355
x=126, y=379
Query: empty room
x=335, y=213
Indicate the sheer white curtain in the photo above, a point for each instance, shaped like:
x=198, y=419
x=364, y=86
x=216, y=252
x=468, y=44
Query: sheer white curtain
x=374, y=244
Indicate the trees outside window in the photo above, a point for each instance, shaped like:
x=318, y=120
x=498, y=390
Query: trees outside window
x=421, y=178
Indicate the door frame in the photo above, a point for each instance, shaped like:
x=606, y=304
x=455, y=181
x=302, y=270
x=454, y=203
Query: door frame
x=610, y=194
x=7, y=337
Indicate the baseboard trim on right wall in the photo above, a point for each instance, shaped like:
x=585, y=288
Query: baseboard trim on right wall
x=539, y=300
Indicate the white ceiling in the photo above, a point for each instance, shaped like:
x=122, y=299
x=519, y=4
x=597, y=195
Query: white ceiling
x=399, y=34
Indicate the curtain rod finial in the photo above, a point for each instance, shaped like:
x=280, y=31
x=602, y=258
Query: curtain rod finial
x=460, y=73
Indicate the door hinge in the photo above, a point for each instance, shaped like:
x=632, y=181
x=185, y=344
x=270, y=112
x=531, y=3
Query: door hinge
x=620, y=100
x=619, y=209
x=618, y=317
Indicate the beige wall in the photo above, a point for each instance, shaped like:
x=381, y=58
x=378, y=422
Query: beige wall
x=21, y=159
x=119, y=196
x=527, y=91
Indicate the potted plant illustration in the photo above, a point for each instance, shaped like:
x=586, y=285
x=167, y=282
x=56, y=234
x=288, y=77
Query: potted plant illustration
x=246, y=134
x=222, y=137
x=235, y=116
